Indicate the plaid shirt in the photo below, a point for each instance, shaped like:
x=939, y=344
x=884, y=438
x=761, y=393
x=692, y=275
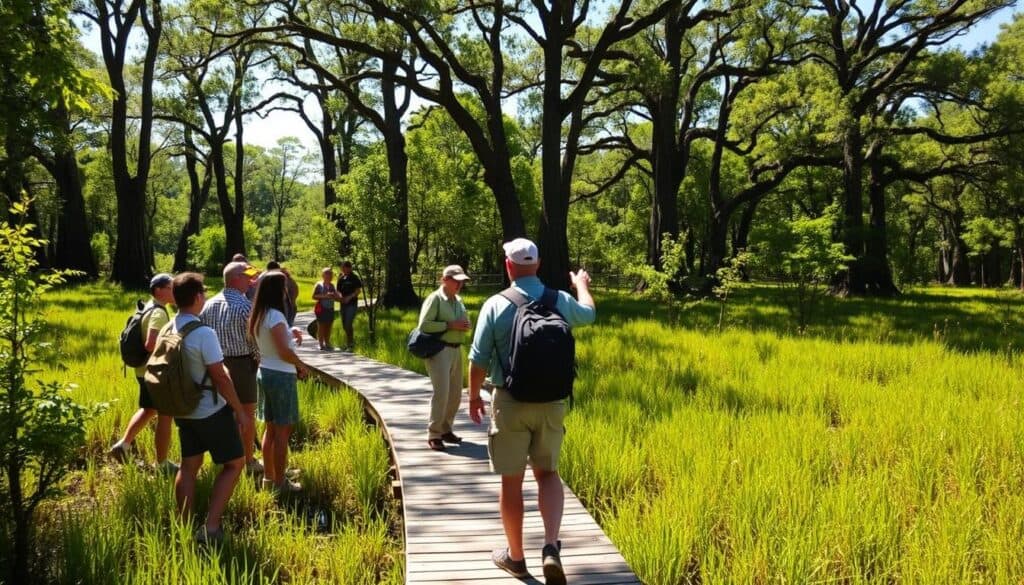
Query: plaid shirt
x=228, y=314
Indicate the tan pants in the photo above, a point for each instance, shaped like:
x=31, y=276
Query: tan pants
x=445, y=370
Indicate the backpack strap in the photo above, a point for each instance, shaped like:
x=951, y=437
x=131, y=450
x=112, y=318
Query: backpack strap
x=189, y=328
x=550, y=299
x=517, y=298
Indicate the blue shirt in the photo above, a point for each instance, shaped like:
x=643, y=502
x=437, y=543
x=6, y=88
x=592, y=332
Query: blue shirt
x=494, y=328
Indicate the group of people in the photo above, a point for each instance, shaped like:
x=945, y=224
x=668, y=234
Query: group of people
x=346, y=293
x=247, y=351
x=243, y=356
x=520, y=432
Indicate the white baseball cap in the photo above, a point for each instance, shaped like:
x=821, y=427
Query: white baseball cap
x=454, y=271
x=521, y=251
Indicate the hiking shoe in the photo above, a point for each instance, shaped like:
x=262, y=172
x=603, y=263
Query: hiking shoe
x=515, y=568
x=289, y=486
x=205, y=536
x=119, y=452
x=167, y=468
x=254, y=467
x=553, y=573
x=451, y=438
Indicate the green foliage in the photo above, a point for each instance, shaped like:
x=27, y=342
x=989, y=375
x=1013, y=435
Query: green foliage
x=727, y=279
x=369, y=207
x=802, y=255
x=207, y=249
x=317, y=247
x=41, y=427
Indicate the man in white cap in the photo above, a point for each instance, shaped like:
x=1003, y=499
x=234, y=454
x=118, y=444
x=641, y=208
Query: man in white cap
x=520, y=430
x=443, y=313
x=155, y=316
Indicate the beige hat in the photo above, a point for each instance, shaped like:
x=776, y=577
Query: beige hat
x=521, y=251
x=454, y=271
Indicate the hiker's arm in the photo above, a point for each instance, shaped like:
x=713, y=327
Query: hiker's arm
x=428, y=317
x=226, y=388
x=476, y=403
x=280, y=334
x=151, y=340
x=581, y=282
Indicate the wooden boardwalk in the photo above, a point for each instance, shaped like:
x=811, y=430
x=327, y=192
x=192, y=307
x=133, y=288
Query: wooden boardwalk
x=450, y=499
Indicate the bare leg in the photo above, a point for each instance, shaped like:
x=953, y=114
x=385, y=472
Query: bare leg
x=223, y=487
x=551, y=501
x=281, y=435
x=269, y=457
x=185, y=483
x=163, y=437
x=138, y=422
x=249, y=436
x=511, y=505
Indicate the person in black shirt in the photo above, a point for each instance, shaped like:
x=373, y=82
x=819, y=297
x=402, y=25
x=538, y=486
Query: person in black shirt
x=348, y=287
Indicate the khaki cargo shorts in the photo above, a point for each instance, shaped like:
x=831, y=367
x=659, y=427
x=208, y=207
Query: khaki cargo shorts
x=524, y=430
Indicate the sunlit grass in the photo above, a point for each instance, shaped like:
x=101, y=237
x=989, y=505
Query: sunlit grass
x=883, y=445
x=117, y=524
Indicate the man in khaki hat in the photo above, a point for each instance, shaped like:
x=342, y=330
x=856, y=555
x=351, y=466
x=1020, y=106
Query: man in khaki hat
x=522, y=431
x=443, y=313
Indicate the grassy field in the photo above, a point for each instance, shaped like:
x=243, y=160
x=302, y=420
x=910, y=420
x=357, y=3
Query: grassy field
x=883, y=445
x=116, y=524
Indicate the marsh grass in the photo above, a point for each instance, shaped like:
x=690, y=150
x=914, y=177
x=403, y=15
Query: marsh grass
x=117, y=524
x=881, y=445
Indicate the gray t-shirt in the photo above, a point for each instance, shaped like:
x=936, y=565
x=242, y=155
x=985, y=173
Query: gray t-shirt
x=201, y=349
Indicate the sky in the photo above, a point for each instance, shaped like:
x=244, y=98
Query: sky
x=266, y=131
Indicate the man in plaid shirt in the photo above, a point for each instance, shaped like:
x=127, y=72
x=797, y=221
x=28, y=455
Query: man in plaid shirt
x=227, y=314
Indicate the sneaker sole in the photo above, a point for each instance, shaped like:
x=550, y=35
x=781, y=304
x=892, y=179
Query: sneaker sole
x=553, y=574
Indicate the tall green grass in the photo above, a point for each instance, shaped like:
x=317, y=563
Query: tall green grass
x=884, y=445
x=117, y=524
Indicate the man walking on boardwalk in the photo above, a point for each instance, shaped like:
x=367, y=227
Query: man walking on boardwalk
x=527, y=417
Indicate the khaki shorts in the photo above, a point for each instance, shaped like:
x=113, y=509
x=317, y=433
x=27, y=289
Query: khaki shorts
x=524, y=430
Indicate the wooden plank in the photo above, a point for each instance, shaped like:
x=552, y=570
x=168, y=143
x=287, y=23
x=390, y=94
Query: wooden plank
x=450, y=499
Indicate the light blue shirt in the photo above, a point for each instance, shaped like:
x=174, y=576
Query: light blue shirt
x=494, y=327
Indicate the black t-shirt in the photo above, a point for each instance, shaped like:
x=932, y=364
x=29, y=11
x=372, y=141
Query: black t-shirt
x=347, y=284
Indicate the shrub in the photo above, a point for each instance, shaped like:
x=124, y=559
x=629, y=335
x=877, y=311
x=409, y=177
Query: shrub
x=41, y=428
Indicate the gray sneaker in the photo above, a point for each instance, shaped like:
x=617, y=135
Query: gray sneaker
x=553, y=573
x=167, y=468
x=118, y=452
x=205, y=537
x=504, y=562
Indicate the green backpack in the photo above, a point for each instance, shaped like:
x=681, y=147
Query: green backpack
x=170, y=384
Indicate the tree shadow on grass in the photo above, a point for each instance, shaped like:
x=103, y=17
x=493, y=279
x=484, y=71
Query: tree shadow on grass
x=964, y=322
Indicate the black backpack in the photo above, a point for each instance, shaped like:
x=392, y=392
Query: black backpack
x=133, y=344
x=542, y=364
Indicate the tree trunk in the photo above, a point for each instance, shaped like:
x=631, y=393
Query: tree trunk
x=667, y=165
x=199, y=193
x=553, y=241
x=851, y=281
x=235, y=228
x=876, y=269
x=959, y=269
x=398, y=289
x=73, y=249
